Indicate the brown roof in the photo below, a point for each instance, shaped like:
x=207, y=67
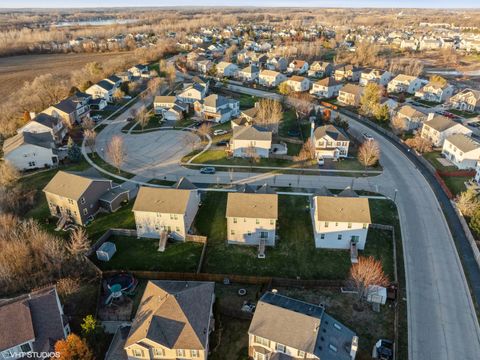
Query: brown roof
x=352, y=89
x=258, y=206
x=328, y=81
x=174, y=314
x=409, y=111
x=343, y=209
x=296, y=78
x=440, y=123
x=16, y=324
x=331, y=131
x=165, y=99
x=70, y=185
x=165, y=201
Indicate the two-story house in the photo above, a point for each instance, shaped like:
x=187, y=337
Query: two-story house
x=286, y=328
x=404, y=84
x=103, y=89
x=250, y=141
x=350, y=95
x=227, y=69
x=44, y=123
x=410, y=117
x=192, y=93
x=169, y=107
x=347, y=73
x=466, y=100
x=160, y=210
x=377, y=76
x=72, y=110
x=138, y=70
x=326, y=88
x=298, y=83
x=276, y=63
x=252, y=218
x=27, y=151
x=435, y=92
x=438, y=128
x=339, y=222
x=217, y=108
x=298, y=67
x=78, y=197
x=462, y=150
x=270, y=78
x=331, y=142
x=249, y=73
x=31, y=323
x=320, y=69
x=173, y=321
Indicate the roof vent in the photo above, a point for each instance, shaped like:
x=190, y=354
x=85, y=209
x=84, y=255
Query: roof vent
x=274, y=291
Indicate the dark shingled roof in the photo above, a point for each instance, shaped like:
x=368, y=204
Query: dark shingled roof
x=39, y=139
x=332, y=131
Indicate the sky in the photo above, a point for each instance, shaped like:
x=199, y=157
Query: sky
x=259, y=3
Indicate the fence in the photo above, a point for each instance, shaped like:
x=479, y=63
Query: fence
x=458, y=173
x=468, y=233
x=109, y=233
x=196, y=238
x=443, y=184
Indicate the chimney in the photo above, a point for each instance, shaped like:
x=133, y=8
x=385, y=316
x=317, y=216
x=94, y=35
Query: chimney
x=32, y=114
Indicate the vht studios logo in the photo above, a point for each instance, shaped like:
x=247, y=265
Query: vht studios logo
x=37, y=355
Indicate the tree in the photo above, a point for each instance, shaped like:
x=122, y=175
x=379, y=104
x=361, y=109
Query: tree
x=437, y=79
x=78, y=244
x=10, y=174
x=382, y=113
x=370, y=99
x=475, y=222
x=88, y=124
x=420, y=144
x=142, y=116
x=73, y=151
x=252, y=155
x=284, y=89
x=115, y=151
x=269, y=114
x=369, y=153
x=90, y=137
x=468, y=202
x=73, y=348
x=89, y=326
x=365, y=273
x=213, y=70
x=118, y=94
x=171, y=75
x=307, y=151
x=205, y=129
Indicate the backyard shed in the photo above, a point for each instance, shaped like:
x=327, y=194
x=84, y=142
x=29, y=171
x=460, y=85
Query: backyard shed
x=106, y=251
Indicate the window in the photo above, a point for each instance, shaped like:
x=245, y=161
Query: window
x=272, y=222
x=232, y=232
x=31, y=163
x=339, y=237
x=349, y=225
x=180, y=352
x=257, y=221
x=364, y=226
x=82, y=200
x=322, y=236
x=194, y=353
x=336, y=224
x=301, y=353
x=262, y=341
x=137, y=352
x=280, y=347
x=264, y=235
x=249, y=233
x=234, y=220
x=326, y=223
x=177, y=228
x=158, y=352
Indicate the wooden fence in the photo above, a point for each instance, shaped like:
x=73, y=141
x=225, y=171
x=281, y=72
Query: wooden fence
x=109, y=233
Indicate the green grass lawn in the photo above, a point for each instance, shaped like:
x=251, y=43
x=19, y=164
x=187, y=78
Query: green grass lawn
x=289, y=122
x=464, y=114
x=110, y=168
x=247, y=101
x=219, y=157
x=431, y=157
x=122, y=218
x=293, y=149
x=142, y=254
x=293, y=256
x=456, y=184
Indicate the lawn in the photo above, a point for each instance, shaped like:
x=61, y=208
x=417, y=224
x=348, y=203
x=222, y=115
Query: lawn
x=142, y=254
x=431, y=157
x=289, y=122
x=463, y=114
x=293, y=256
x=108, y=167
x=219, y=157
x=293, y=149
x=456, y=184
x=247, y=101
x=123, y=218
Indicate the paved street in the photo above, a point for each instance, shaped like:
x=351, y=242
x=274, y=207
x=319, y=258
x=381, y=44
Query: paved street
x=441, y=316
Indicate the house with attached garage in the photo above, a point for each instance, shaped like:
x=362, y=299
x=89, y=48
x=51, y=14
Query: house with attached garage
x=249, y=73
x=350, y=95
x=174, y=321
x=169, y=107
x=466, y=100
x=320, y=69
x=252, y=218
x=340, y=222
x=227, y=69
x=79, y=196
x=380, y=77
x=435, y=92
x=204, y=65
x=31, y=323
x=217, y=108
x=286, y=328
x=192, y=93
x=250, y=140
x=298, y=67
x=404, y=84
x=270, y=78
x=104, y=89
x=462, y=150
x=139, y=70
x=277, y=63
x=169, y=211
x=347, y=73
x=410, y=118
x=331, y=142
x=326, y=88
x=298, y=83
x=27, y=151
x=44, y=123
x=437, y=128
x=72, y=110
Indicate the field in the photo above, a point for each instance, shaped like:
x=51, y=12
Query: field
x=15, y=70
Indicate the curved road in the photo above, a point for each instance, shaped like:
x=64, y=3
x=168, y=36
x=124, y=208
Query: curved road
x=441, y=316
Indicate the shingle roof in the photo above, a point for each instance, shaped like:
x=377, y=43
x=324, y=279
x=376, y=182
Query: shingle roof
x=296, y=78
x=39, y=139
x=343, y=209
x=16, y=324
x=404, y=78
x=251, y=133
x=463, y=142
x=166, y=201
x=67, y=106
x=410, y=112
x=175, y=314
x=440, y=123
x=105, y=84
x=328, y=81
x=269, y=73
x=215, y=100
x=46, y=120
x=352, y=89
x=331, y=131
x=245, y=205
x=165, y=99
x=71, y=185
x=184, y=184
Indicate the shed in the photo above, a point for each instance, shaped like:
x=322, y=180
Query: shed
x=377, y=294
x=106, y=251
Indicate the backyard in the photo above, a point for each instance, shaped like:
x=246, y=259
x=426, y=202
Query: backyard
x=456, y=184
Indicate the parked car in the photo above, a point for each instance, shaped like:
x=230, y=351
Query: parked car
x=97, y=118
x=130, y=119
x=294, y=132
x=222, y=143
x=367, y=137
x=320, y=161
x=207, y=170
x=220, y=132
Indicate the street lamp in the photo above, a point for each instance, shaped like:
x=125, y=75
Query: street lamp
x=395, y=195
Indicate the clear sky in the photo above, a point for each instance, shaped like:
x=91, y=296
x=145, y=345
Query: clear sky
x=259, y=3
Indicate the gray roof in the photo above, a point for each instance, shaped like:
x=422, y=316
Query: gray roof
x=184, y=184
x=174, y=314
x=347, y=192
x=67, y=106
x=245, y=188
x=215, y=100
x=323, y=191
x=463, y=142
x=440, y=123
x=112, y=194
x=44, y=140
x=46, y=120
x=352, y=89
x=332, y=131
x=71, y=185
x=251, y=133
x=105, y=84
x=251, y=69
x=165, y=99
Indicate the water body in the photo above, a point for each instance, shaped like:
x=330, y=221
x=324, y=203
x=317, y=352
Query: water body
x=95, y=22
x=455, y=72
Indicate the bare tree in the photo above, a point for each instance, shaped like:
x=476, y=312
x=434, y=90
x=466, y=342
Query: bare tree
x=88, y=124
x=10, y=174
x=90, y=136
x=369, y=153
x=115, y=151
x=205, y=129
x=252, y=155
x=365, y=273
x=118, y=94
x=307, y=151
x=78, y=244
x=269, y=114
x=420, y=144
x=468, y=202
x=142, y=116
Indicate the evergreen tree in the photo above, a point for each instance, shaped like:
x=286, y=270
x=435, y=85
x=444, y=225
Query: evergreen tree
x=73, y=151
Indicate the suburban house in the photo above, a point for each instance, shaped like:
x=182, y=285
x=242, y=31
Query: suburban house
x=411, y=117
x=404, y=84
x=380, y=77
x=462, y=151
x=250, y=141
x=347, y=73
x=115, y=80
x=438, y=128
x=331, y=142
x=278, y=63
x=44, y=123
x=298, y=83
x=226, y=69
x=320, y=69
x=31, y=323
x=252, y=218
x=72, y=110
x=435, y=92
x=103, y=89
x=249, y=73
x=160, y=210
x=217, y=108
x=339, y=222
x=466, y=100
x=298, y=67
x=78, y=197
x=174, y=321
x=204, y=65
x=26, y=151
x=286, y=328
x=194, y=92
x=350, y=94
x=326, y=88
x=169, y=107
x=429, y=44
x=270, y=78
x=477, y=173
x=138, y=70
x=409, y=44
